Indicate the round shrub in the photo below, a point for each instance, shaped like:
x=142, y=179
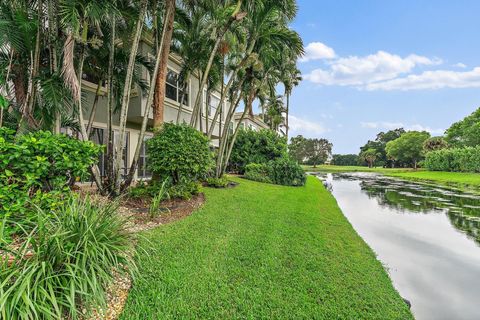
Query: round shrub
x=286, y=172
x=257, y=172
x=283, y=171
x=179, y=152
x=256, y=147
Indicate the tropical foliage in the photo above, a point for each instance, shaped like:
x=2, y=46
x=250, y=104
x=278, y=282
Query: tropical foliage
x=37, y=169
x=283, y=171
x=408, y=148
x=345, y=159
x=179, y=153
x=65, y=263
x=256, y=147
x=311, y=151
x=455, y=159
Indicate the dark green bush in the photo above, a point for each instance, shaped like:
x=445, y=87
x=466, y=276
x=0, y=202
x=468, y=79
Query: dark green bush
x=66, y=263
x=456, y=159
x=286, y=171
x=179, y=153
x=217, y=182
x=184, y=190
x=256, y=147
x=283, y=171
x=258, y=172
x=38, y=168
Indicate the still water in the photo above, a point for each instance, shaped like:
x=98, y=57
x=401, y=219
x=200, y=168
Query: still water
x=428, y=238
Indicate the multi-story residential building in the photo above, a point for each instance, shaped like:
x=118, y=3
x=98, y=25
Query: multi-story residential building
x=137, y=107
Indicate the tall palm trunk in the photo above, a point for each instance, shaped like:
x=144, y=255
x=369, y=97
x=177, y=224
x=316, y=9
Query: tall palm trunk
x=110, y=101
x=126, y=97
x=234, y=17
x=182, y=97
x=148, y=106
x=287, y=114
x=159, y=98
x=225, y=90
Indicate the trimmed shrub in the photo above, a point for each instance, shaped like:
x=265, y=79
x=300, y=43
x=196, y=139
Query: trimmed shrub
x=283, y=171
x=456, y=159
x=179, y=153
x=38, y=168
x=66, y=263
x=256, y=147
x=217, y=182
x=258, y=172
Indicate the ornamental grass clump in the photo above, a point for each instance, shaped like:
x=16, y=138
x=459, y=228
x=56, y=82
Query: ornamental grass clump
x=66, y=262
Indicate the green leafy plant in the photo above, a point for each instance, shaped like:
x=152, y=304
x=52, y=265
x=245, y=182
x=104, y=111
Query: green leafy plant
x=258, y=172
x=217, y=182
x=66, y=262
x=179, y=152
x=38, y=168
x=155, y=208
x=184, y=190
x=455, y=159
x=283, y=171
x=256, y=147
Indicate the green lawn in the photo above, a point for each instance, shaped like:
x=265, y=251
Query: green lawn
x=261, y=251
x=333, y=168
x=455, y=179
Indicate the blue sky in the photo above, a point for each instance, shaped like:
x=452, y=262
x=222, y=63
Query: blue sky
x=374, y=65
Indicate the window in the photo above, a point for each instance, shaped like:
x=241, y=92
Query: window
x=242, y=126
x=143, y=171
x=230, y=128
x=173, y=88
x=213, y=103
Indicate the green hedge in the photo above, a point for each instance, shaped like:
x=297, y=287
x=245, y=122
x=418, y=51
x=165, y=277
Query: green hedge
x=456, y=159
x=283, y=171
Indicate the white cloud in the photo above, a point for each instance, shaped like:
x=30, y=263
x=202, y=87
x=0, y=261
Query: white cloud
x=304, y=126
x=437, y=79
x=385, y=125
x=460, y=65
x=317, y=51
x=360, y=71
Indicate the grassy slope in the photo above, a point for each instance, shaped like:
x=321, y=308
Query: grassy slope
x=265, y=252
x=333, y=168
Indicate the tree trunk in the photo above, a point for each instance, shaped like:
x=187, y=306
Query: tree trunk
x=159, y=98
x=180, y=106
x=110, y=100
x=286, y=115
x=94, y=108
x=126, y=98
x=148, y=106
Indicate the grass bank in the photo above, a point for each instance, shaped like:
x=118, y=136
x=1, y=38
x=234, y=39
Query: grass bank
x=265, y=252
x=333, y=169
x=460, y=180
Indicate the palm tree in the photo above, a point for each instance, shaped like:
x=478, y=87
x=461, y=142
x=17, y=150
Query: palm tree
x=267, y=36
x=291, y=78
x=158, y=105
x=274, y=112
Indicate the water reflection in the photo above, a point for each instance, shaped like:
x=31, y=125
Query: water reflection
x=463, y=209
x=426, y=236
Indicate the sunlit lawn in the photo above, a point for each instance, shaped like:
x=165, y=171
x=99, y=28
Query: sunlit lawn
x=260, y=251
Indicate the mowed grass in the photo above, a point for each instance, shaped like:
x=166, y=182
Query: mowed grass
x=260, y=251
x=455, y=179
x=333, y=169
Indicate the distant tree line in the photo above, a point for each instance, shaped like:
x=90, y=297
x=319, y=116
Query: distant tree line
x=457, y=150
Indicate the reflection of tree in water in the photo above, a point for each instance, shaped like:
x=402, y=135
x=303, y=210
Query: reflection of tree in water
x=462, y=209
